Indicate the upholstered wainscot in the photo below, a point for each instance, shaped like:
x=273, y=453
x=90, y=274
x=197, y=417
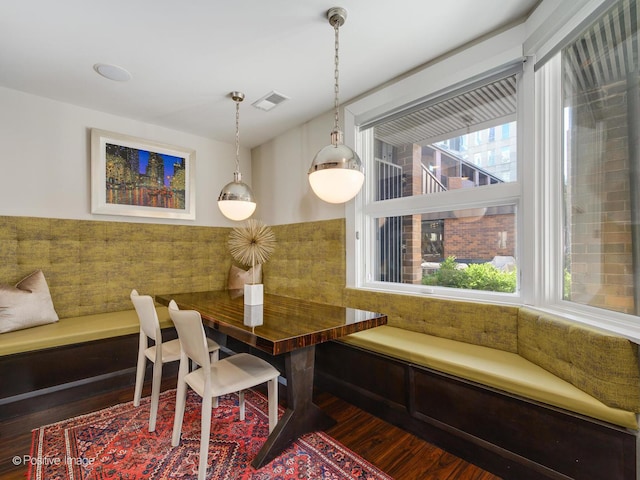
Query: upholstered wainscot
x=91, y=268
x=458, y=383
x=524, y=394
x=507, y=431
x=309, y=261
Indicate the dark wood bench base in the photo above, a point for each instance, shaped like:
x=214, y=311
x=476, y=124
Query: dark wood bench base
x=35, y=381
x=510, y=436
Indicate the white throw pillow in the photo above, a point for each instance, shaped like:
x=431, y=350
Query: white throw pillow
x=28, y=304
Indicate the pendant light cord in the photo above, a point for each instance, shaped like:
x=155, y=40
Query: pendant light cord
x=336, y=76
x=238, y=137
x=336, y=134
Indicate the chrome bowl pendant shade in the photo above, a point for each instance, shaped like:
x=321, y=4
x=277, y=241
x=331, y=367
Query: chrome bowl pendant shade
x=336, y=174
x=236, y=201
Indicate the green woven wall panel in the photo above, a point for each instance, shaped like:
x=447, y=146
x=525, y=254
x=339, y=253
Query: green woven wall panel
x=309, y=261
x=493, y=326
x=91, y=266
x=602, y=364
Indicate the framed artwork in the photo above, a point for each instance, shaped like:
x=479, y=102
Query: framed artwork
x=142, y=178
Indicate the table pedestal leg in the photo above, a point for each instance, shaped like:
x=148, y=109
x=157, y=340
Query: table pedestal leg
x=302, y=415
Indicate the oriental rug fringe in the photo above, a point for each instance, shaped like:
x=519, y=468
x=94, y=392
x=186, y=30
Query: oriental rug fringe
x=115, y=443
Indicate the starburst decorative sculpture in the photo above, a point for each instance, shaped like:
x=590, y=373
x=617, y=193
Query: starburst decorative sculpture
x=252, y=244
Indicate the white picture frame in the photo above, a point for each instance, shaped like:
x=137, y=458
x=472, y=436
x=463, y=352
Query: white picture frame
x=141, y=178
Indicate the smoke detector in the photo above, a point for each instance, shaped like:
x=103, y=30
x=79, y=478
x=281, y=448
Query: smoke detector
x=112, y=72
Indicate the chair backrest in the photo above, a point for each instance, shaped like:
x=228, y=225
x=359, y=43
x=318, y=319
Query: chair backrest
x=147, y=315
x=193, y=340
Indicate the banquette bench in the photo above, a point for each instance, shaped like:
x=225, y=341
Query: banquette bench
x=75, y=357
x=523, y=394
x=75, y=330
x=520, y=392
x=90, y=268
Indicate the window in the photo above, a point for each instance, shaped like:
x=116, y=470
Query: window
x=456, y=227
x=491, y=159
x=505, y=155
x=589, y=104
x=551, y=199
x=601, y=105
x=469, y=248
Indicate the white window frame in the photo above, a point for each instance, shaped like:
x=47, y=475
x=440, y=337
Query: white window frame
x=471, y=64
x=549, y=143
x=550, y=156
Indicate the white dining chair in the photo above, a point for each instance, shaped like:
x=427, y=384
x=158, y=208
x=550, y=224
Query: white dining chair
x=231, y=374
x=159, y=353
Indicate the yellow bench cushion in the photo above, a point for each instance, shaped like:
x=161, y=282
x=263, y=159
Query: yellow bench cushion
x=72, y=330
x=488, y=366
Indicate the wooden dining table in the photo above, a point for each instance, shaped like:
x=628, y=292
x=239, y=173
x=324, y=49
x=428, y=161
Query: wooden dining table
x=281, y=327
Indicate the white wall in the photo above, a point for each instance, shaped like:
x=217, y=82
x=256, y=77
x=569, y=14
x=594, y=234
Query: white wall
x=280, y=166
x=280, y=169
x=45, y=160
x=45, y=147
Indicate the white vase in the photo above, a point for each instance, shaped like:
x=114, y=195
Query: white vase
x=253, y=294
x=253, y=315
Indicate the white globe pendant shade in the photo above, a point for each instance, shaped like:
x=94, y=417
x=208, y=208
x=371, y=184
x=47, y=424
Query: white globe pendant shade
x=336, y=174
x=236, y=210
x=236, y=200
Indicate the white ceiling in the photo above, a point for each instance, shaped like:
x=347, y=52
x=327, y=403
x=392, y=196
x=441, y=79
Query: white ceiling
x=185, y=56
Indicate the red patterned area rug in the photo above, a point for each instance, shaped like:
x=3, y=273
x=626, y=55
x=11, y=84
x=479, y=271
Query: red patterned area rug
x=115, y=443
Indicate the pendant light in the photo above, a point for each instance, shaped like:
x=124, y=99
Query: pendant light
x=336, y=174
x=236, y=200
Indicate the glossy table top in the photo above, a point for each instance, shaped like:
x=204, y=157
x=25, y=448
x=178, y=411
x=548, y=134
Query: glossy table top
x=280, y=325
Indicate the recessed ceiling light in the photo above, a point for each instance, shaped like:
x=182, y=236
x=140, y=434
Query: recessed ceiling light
x=270, y=100
x=112, y=72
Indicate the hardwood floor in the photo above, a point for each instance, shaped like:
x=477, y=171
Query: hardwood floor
x=396, y=452
x=399, y=454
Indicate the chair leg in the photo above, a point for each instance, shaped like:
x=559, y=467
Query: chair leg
x=204, y=437
x=155, y=394
x=142, y=364
x=181, y=399
x=215, y=356
x=241, y=404
x=272, y=388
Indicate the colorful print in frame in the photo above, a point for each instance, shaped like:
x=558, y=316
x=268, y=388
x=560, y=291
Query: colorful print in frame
x=143, y=178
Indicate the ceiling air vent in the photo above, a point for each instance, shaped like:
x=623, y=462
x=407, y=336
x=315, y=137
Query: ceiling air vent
x=270, y=101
